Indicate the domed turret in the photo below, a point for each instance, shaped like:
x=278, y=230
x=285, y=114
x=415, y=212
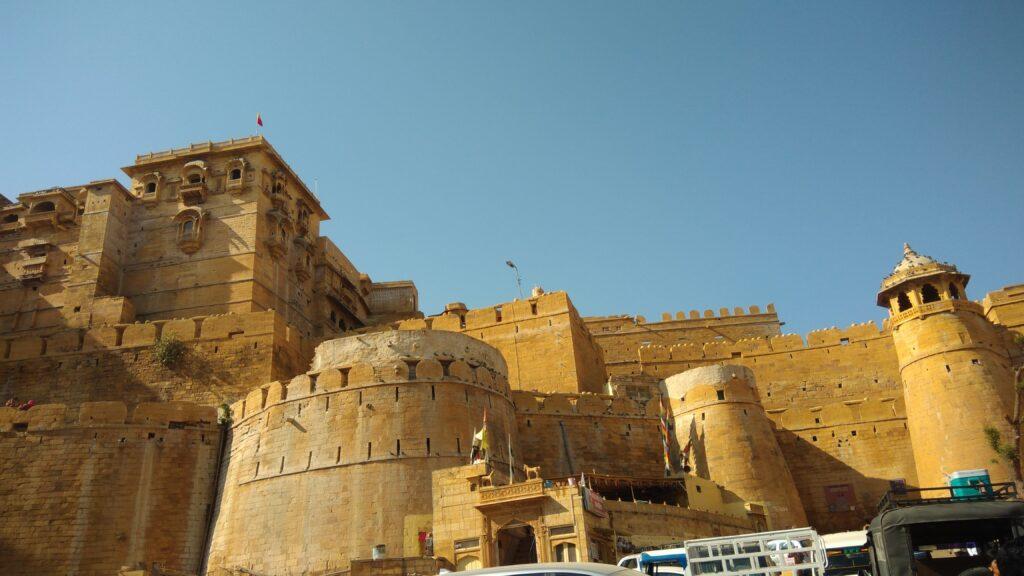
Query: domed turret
x=956, y=375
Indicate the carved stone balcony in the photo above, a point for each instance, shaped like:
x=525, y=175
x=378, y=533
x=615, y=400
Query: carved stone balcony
x=193, y=193
x=276, y=246
x=922, y=310
x=32, y=270
x=7, y=227
x=519, y=492
x=301, y=272
x=49, y=219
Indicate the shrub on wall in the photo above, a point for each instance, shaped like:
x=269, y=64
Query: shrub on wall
x=169, y=350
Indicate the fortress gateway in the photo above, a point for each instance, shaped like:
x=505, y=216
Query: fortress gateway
x=218, y=390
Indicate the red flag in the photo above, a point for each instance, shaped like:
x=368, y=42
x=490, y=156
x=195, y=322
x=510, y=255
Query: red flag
x=259, y=119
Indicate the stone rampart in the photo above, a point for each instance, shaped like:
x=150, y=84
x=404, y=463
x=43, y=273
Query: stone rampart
x=543, y=340
x=225, y=356
x=92, y=489
x=368, y=434
x=566, y=434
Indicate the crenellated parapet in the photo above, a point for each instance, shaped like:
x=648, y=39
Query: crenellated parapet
x=588, y=405
x=846, y=413
x=720, y=350
x=135, y=335
x=173, y=415
x=561, y=355
x=623, y=322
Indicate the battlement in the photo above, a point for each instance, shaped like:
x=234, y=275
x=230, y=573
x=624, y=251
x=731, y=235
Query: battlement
x=626, y=321
x=172, y=415
x=590, y=405
x=849, y=412
x=546, y=304
x=135, y=335
x=719, y=350
x=361, y=375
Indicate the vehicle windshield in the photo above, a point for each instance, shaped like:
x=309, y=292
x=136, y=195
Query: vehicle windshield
x=951, y=547
x=852, y=560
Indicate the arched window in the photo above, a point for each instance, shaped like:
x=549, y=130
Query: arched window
x=190, y=230
x=10, y=218
x=903, y=301
x=43, y=207
x=565, y=552
x=236, y=174
x=953, y=292
x=467, y=563
x=929, y=294
x=195, y=179
x=150, y=187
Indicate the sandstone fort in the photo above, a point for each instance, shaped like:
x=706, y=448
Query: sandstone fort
x=206, y=385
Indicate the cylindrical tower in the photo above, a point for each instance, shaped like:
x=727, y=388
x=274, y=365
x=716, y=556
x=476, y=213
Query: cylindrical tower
x=955, y=368
x=718, y=412
x=324, y=469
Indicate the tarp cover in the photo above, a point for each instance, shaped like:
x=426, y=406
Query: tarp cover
x=893, y=553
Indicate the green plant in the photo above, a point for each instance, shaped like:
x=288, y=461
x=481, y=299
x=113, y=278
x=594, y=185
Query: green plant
x=995, y=442
x=168, y=350
x=224, y=417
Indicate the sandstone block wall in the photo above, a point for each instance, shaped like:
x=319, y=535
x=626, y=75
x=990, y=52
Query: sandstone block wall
x=566, y=434
x=658, y=524
x=543, y=340
x=226, y=356
x=843, y=456
x=958, y=379
x=620, y=337
x=717, y=411
x=88, y=491
x=326, y=466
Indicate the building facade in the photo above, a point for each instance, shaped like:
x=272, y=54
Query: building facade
x=202, y=384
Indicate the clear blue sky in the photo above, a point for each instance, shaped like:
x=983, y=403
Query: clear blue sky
x=644, y=156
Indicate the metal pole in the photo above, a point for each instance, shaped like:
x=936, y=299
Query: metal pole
x=519, y=281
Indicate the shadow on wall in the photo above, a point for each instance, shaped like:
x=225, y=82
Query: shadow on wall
x=836, y=496
x=130, y=375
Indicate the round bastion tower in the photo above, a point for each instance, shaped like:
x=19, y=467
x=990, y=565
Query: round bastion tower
x=955, y=369
x=338, y=462
x=717, y=410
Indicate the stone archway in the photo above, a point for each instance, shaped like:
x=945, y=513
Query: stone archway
x=515, y=543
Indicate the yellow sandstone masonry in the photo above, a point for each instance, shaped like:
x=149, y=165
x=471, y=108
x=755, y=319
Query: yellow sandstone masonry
x=307, y=415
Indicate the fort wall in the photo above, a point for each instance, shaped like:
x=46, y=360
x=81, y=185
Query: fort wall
x=543, y=340
x=958, y=380
x=646, y=525
x=718, y=413
x=88, y=491
x=843, y=456
x=566, y=434
x=1006, y=307
x=225, y=357
x=620, y=337
x=367, y=434
x=831, y=365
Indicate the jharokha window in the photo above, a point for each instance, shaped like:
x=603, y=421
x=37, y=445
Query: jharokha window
x=189, y=230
